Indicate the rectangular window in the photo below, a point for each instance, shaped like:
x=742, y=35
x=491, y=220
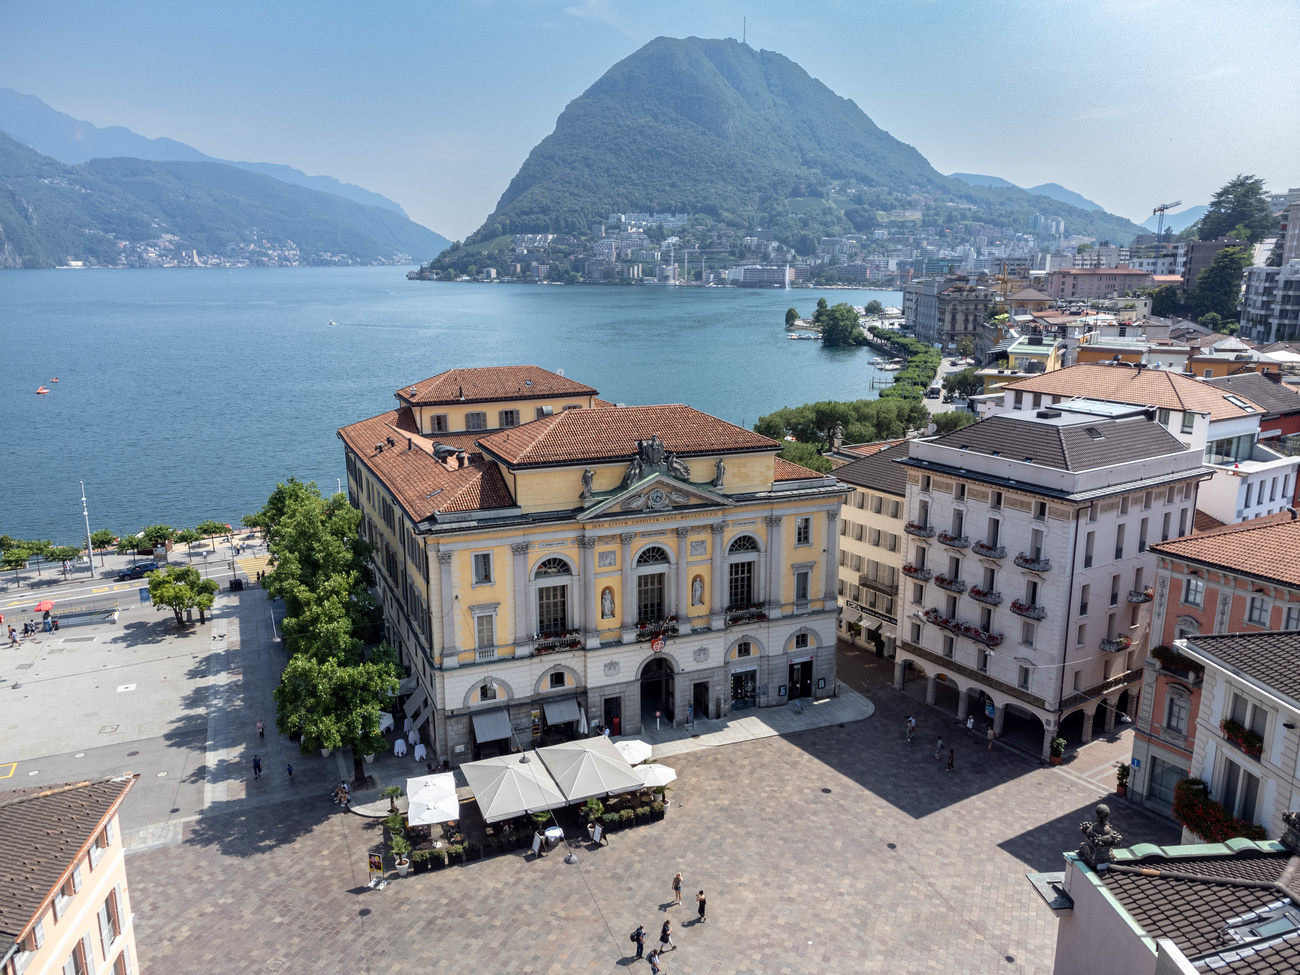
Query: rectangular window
x=893, y=509
x=950, y=607
x=482, y=568
x=949, y=646
x=1258, y=612
x=1017, y=400
x=475, y=421
x=925, y=482
x=1078, y=678
x=801, y=586
x=1249, y=489
x=1084, y=593
x=1292, y=618
x=1164, y=528
x=1142, y=534
x=740, y=583
x=994, y=533
x=1023, y=681
x=916, y=633
x=485, y=631
x=557, y=680
x=1162, y=417
x=650, y=596
x=959, y=491
x=508, y=418
x=744, y=648
x=1238, y=790
x=890, y=542
x=570, y=406
x=1082, y=635
x=873, y=537
x=439, y=423
x=1119, y=542
x=918, y=593
x=995, y=501
x=1123, y=505
x=876, y=502
x=984, y=662
x=1169, y=494
x=800, y=641
x=552, y=610
x=1027, y=633
x=855, y=592
x=1189, y=422
x=803, y=531
x=541, y=411
x=1114, y=590
x=1036, y=545
x=1087, y=549
x=1182, y=522
x=1272, y=490
x=1147, y=499
x=1177, y=711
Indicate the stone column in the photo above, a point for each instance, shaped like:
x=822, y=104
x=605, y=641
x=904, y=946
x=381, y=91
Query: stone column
x=718, y=599
x=963, y=706
x=1110, y=715
x=931, y=689
x=519, y=572
x=629, y=589
x=447, y=600
x=999, y=717
x=1088, y=718
x=587, y=574
x=683, y=601
x=832, y=554
x=1048, y=735
x=900, y=673
x=773, y=571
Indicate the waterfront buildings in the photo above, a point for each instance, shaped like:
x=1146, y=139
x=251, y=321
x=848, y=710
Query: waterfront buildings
x=1240, y=579
x=1027, y=533
x=65, y=904
x=545, y=558
x=945, y=310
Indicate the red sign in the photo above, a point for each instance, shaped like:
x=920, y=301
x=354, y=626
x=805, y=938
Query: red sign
x=657, y=644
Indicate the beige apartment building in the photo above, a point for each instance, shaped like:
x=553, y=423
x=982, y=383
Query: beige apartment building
x=64, y=906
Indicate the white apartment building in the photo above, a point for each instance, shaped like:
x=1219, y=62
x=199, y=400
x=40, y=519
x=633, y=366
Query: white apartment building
x=1250, y=480
x=1026, y=533
x=1270, y=305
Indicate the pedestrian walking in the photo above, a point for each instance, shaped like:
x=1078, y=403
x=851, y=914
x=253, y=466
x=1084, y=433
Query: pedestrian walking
x=289, y=769
x=952, y=752
x=666, y=936
x=938, y=749
x=970, y=724
x=13, y=637
x=677, y=888
x=261, y=728
x=257, y=767
x=991, y=737
x=638, y=938
x=699, y=899
x=653, y=959
x=911, y=727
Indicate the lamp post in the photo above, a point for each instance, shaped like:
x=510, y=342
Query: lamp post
x=90, y=548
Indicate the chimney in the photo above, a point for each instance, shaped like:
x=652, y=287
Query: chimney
x=1293, y=513
x=409, y=443
x=462, y=459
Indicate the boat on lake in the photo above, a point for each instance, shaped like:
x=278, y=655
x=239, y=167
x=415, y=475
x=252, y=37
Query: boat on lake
x=41, y=390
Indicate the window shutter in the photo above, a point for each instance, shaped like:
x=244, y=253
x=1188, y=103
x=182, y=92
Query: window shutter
x=105, y=932
x=119, y=908
x=87, y=953
x=76, y=878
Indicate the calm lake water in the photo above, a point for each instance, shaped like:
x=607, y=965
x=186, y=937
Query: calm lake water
x=186, y=394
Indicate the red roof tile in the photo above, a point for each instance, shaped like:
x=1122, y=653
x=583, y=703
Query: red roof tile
x=578, y=436
x=489, y=384
x=868, y=449
x=1267, y=548
x=1140, y=387
x=787, y=471
x=422, y=484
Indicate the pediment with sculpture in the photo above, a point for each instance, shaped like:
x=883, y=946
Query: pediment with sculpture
x=655, y=480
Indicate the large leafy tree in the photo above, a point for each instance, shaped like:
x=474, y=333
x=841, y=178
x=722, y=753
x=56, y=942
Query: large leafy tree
x=863, y=421
x=328, y=619
x=1218, y=287
x=180, y=587
x=964, y=383
x=1165, y=302
x=953, y=420
x=1240, y=203
x=840, y=326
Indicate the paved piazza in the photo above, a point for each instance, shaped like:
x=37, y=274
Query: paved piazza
x=840, y=849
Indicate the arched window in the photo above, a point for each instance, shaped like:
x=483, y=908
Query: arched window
x=554, y=567
x=742, y=573
x=652, y=556
x=551, y=582
x=745, y=543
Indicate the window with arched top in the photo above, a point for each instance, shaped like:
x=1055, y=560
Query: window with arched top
x=745, y=543
x=551, y=582
x=742, y=573
x=652, y=556
x=554, y=567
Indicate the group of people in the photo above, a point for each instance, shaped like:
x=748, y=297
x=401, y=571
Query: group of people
x=666, y=942
x=910, y=731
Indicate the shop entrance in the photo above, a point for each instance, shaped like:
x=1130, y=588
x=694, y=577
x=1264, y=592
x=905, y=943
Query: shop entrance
x=657, y=690
x=744, y=690
x=700, y=700
x=800, y=679
x=613, y=708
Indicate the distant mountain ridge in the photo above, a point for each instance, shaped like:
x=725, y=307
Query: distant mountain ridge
x=137, y=212
x=1053, y=191
x=53, y=133
x=715, y=127
x=1179, y=221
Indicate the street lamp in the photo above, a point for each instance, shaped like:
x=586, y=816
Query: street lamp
x=90, y=548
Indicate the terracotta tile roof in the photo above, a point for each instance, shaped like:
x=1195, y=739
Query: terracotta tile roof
x=1267, y=548
x=1029, y=294
x=490, y=383
x=577, y=436
x=43, y=831
x=1269, y=657
x=868, y=449
x=601, y=404
x=422, y=484
x=1202, y=522
x=787, y=471
x=1141, y=387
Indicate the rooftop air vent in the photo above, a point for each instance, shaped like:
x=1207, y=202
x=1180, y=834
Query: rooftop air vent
x=1048, y=414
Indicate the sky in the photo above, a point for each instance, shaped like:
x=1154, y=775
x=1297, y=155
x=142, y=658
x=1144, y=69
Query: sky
x=1132, y=103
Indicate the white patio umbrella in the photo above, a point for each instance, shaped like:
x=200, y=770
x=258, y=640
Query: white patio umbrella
x=511, y=785
x=588, y=767
x=432, y=799
x=634, y=750
x=385, y=722
x=655, y=775
x=582, y=721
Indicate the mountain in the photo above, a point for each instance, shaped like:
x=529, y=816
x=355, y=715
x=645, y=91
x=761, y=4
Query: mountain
x=715, y=127
x=52, y=133
x=124, y=211
x=1177, y=221
x=1053, y=191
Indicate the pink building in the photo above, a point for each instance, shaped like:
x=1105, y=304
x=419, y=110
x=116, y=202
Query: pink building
x=1085, y=283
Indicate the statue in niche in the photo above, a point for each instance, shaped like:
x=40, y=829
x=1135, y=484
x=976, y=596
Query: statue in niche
x=697, y=591
x=719, y=472
x=587, y=476
x=607, y=603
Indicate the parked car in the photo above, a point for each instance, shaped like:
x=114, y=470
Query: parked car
x=138, y=571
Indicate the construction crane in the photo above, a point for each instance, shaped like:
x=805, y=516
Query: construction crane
x=1160, y=224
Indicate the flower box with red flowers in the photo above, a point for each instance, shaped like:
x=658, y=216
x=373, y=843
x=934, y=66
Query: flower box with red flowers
x=1239, y=736
x=985, y=595
x=914, y=572
x=1028, y=610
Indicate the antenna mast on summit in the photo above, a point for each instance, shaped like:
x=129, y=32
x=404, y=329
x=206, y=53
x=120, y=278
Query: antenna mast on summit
x=744, y=29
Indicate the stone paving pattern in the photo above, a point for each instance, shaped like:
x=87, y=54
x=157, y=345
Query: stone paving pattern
x=842, y=849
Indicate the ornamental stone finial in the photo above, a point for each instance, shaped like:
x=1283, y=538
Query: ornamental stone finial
x=1098, y=837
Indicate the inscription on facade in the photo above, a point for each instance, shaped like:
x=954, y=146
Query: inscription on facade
x=743, y=524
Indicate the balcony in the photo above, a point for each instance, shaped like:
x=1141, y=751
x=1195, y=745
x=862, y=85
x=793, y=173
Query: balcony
x=747, y=613
x=919, y=530
x=1027, y=561
x=1116, y=645
x=952, y=585
x=985, y=596
x=1028, y=610
x=1141, y=595
x=967, y=630
x=989, y=551
x=1176, y=665
x=867, y=582
x=649, y=629
x=913, y=572
x=553, y=642
x=956, y=541
x=1242, y=738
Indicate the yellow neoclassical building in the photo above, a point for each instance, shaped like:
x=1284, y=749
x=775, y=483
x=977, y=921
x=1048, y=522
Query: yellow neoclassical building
x=545, y=557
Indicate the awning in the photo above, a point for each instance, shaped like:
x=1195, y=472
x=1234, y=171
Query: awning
x=408, y=685
x=589, y=767
x=512, y=785
x=558, y=712
x=871, y=625
x=414, y=701
x=491, y=726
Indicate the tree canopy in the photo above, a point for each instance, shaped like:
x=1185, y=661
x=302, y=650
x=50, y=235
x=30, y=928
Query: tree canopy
x=178, y=588
x=863, y=420
x=1218, y=287
x=953, y=420
x=964, y=383
x=1240, y=203
x=840, y=327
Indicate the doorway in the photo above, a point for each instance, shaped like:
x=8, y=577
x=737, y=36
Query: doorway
x=613, y=715
x=744, y=690
x=658, y=683
x=700, y=700
x=801, y=679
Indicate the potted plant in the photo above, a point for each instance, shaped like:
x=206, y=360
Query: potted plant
x=1122, y=772
x=400, y=849
x=642, y=814
x=420, y=860
x=1058, y=750
x=456, y=853
x=473, y=850
x=391, y=793
x=593, y=809
x=437, y=859
x=656, y=811
x=610, y=821
x=396, y=824
x=491, y=846
x=625, y=818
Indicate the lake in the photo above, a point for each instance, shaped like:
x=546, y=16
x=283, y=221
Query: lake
x=186, y=394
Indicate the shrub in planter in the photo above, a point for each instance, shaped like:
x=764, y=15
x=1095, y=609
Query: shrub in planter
x=437, y=859
x=610, y=821
x=1122, y=772
x=593, y=809
x=625, y=817
x=491, y=846
x=396, y=824
x=1057, y=748
x=509, y=840
x=421, y=860
x=473, y=851
x=643, y=814
x=456, y=853
x=656, y=810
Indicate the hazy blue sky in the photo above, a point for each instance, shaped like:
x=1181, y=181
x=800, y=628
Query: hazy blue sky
x=435, y=105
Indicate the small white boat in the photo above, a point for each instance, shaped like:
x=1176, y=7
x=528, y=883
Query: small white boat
x=331, y=322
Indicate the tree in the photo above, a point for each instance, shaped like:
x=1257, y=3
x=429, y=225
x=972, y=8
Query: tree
x=805, y=455
x=1241, y=201
x=966, y=347
x=1218, y=287
x=64, y=553
x=210, y=529
x=1083, y=248
x=965, y=383
x=1165, y=302
x=840, y=327
x=953, y=420
x=16, y=558
x=178, y=588
x=1210, y=320
x=874, y=307
x=155, y=535
x=187, y=537
x=103, y=538
x=791, y=316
